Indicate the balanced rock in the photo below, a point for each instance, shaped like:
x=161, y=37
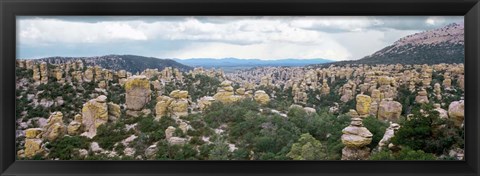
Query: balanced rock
x=355, y=138
x=356, y=135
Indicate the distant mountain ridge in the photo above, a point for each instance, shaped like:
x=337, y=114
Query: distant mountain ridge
x=131, y=63
x=236, y=62
x=442, y=45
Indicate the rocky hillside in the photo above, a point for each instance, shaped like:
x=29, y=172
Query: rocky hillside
x=442, y=45
x=359, y=112
x=130, y=63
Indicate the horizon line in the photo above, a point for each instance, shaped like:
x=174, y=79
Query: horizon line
x=173, y=58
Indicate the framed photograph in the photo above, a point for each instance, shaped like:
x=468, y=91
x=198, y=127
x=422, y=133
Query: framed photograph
x=233, y=87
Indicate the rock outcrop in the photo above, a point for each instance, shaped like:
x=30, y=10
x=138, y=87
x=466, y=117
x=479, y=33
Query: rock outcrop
x=422, y=97
x=388, y=135
x=456, y=112
x=138, y=92
x=363, y=105
x=55, y=127
x=114, y=111
x=161, y=108
x=179, y=105
x=261, y=97
x=225, y=93
x=355, y=138
x=75, y=127
x=205, y=102
x=94, y=114
x=441, y=112
x=389, y=110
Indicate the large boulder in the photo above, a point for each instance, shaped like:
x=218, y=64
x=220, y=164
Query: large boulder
x=32, y=133
x=94, y=114
x=151, y=152
x=169, y=132
x=204, y=102
x=114, y=111
x=179, y=107
x=225, y=93
x=161, y=108
x=456, y=112
x=179, y=94
x=422, y=97
x=33, y=147
x=441, y=112
x=261, y=97
x=75, y=127
x=389, y=110
x=363, y=104
x=138, y=92
x=55, y=127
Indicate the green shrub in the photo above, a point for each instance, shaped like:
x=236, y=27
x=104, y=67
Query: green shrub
x=377, y=128
x=428, y=133
x=307, y=148
x=64, y=147
x=110, y=133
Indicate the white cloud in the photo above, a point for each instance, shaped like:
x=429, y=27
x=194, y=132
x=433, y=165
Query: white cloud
x=267, y=37
x=52, y=31
x=276, y=50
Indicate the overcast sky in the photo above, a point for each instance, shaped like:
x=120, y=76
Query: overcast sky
x=335, y=38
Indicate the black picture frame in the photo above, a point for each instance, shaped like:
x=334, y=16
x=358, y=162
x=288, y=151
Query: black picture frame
x=11, y=8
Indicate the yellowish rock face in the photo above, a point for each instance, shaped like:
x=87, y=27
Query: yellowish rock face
x=74, y=128
x=56, y=131
x=363, y=104
x=93, y=115
x=161, y=108
x=32, y=147
x=389, y=110
x=114, y=110
x=225, y=97
x=138, y=92
x=33, y=132
x=179, y=106
x=134, y=83
x=261, y=98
